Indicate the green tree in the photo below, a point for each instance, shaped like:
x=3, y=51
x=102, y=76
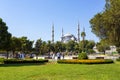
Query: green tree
x=103, y=46
x=70, y=46
x=82, y=55
x=90, y=44
x=26, y=45
x=15, y=44
x=58, y=46
x=63, y=47
x=44, y=48
x=106, y=24
x=91, y=51
x=4, y=37
x=83, y=36
x=78, y=48
x=118, y=50
x=38, y=45
x=51, y=47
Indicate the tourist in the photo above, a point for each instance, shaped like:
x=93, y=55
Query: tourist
x=53, y=56
x=58, y=55
x=63, y=55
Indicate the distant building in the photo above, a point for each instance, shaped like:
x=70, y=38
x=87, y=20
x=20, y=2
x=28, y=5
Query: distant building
x=95, y=49
x=111, y=51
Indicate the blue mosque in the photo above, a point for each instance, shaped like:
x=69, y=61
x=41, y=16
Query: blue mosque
x=67, y=37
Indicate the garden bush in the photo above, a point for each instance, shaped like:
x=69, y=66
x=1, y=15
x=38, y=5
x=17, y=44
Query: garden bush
x=118, y=59
x=87, y=61
x=18, y=61
x=1, y=60
x=82, y=55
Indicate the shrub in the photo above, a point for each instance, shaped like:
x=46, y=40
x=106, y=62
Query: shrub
x=89, y=61
x=18, y=61
x=82, y=55
x=118, y=50
x=1, y=60
x=118, y=59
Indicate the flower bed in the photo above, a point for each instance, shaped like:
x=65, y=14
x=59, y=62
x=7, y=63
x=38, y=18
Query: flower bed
x=17, y=61
x=87, y=61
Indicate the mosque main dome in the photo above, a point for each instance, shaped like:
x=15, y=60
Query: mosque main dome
x=68, y=37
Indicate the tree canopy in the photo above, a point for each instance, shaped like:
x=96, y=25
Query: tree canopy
x=4, y=36
x=106, y=24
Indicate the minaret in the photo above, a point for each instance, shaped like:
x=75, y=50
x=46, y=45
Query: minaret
x=83, y=29
x=62, y=35
x=52, y=33
x=78, y=32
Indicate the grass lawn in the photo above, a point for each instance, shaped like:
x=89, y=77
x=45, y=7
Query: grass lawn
x=60, y=72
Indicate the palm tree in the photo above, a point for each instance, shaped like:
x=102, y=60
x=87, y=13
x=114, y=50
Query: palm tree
x=83, y=36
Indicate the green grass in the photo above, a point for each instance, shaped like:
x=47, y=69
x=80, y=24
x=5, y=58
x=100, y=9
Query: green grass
x=60, y=72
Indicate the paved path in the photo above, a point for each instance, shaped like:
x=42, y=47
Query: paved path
x=90, y=57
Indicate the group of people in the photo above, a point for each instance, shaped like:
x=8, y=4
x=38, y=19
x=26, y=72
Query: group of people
x=59, y=55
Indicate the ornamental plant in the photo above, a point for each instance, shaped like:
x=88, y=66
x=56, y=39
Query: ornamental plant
x=1, y=60
x=82, y=55
x=87, y=61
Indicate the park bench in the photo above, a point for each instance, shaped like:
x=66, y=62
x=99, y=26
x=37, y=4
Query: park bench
x=48, y=57
x=74, y=57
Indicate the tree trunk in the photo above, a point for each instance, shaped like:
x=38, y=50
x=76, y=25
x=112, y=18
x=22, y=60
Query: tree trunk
x=104, y=52
x=7, y=55
x=83, y=44
x=13, y=53
x=36, y=56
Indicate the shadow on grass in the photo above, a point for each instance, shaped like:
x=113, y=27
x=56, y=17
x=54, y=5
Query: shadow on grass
x=19, y=65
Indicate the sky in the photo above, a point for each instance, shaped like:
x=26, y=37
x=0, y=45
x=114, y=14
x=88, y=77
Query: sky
x=34, y=18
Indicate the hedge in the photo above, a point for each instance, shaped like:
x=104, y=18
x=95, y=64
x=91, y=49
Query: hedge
x=17, y=61
x=86, y=61
x=118, y=59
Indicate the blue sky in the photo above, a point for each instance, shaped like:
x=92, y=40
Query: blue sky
x=34, y=18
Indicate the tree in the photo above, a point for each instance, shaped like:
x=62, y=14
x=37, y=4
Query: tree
x=106, y=24
x=118, y=50
x=26, y=45
x=83, y=36
x=59, y=46
x=103, y=46
x=4, y=37
x=78, y=48
x=70, y=46
x=91, y=51
x=38, y=45
x=44, y=48
x=63, y=47
x=90, y=44
x=51, y=47
x=15, y=44
x=82, y=55
x=21, y=44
